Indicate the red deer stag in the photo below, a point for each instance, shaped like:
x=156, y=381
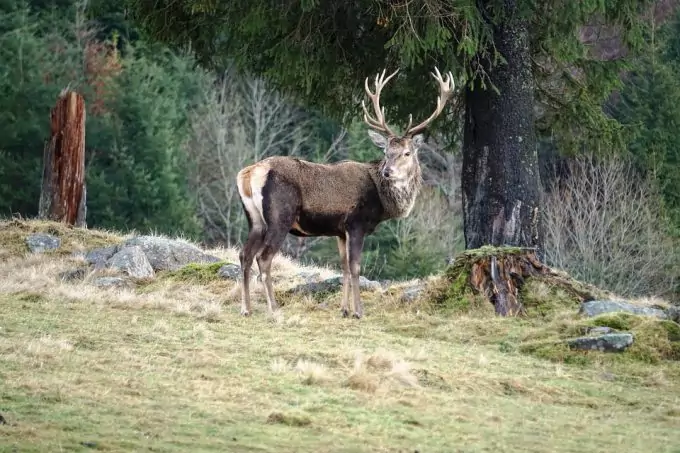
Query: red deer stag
x=347, y=199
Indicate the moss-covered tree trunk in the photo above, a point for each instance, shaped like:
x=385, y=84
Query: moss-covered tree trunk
x=62, y=197
x=500, y=164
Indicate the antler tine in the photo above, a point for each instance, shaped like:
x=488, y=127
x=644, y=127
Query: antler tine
x=445, y=91
x=377, y=123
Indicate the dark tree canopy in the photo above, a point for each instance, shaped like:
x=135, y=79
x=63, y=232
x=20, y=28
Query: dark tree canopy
x=322, y=50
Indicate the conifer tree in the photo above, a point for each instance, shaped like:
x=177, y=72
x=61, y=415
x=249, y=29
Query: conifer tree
x=513, y=58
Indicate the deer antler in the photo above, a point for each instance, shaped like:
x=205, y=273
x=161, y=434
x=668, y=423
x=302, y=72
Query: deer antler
x=445, y=91
x=378, y=123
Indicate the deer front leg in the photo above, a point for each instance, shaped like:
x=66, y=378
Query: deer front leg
x=342, y=248
x=355, y=245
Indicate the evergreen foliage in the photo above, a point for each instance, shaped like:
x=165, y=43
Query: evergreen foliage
x=648, y=106
x=322, y=51
x=32, y=72
x=136, y=119
x=137, y=176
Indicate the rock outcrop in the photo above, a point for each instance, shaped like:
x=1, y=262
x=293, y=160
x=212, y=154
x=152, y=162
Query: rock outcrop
x=39, y=243
x=599, y=307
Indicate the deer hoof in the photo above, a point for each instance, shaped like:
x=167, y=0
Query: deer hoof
x=356, y=315
x=345, y=313
x=245, y=312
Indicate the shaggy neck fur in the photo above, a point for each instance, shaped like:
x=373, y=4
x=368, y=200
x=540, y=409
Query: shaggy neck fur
x=398, y=196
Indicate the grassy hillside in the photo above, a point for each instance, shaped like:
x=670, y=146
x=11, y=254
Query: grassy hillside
x=170, y=366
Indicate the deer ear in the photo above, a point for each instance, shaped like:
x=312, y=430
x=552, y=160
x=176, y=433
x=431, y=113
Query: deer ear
x=377, y=138
x=419, y=141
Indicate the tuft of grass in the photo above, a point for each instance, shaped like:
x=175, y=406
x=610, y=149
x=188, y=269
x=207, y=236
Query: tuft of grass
x=312, y=373
x=279, y=365
x=361, y=378
x=290, y=418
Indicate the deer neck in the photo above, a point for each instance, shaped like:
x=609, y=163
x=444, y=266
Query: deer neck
x=398, y=196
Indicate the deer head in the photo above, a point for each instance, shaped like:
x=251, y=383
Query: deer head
x=401, y=152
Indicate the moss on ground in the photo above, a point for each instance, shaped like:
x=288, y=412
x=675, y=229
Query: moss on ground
x=655, y=340
x=543, y=300
x=454, y=294
x=197, y=272
x=551, y=304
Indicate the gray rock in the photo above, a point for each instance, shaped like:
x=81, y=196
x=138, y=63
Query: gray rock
x=132, y=261
x=598, y=307
x=608, y=376
x=109, y=282
x=79, y=254
x=610, y=342
x=411, y=293
x=309, y=277
x=331, y=285
x=673, y=313
x=73, y=274
x=39, y=243
x=365, y=283
x=99, y=257
x=600, y=330
x=230, y=271
x=169, y=254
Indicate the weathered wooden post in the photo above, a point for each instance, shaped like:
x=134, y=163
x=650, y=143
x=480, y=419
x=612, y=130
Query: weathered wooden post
x=62, y=197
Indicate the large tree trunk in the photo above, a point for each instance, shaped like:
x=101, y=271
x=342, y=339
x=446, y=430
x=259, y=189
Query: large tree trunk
x=500, y=164
x=63, y=183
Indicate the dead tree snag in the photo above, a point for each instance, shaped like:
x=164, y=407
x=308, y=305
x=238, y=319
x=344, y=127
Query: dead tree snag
x=62, y=196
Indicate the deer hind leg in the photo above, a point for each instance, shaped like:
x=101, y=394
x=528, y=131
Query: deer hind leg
x=248, y=187
x=280, y=206
x=251, y=248
x=342, y=248
x=355, y=243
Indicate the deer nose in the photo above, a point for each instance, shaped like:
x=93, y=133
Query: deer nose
x=386, y=173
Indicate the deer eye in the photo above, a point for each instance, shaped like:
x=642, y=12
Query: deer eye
x=407, y=153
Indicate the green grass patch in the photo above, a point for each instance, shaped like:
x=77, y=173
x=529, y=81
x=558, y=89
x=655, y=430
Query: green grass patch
x=654, y=341
x=201, y=273
x=544, y=300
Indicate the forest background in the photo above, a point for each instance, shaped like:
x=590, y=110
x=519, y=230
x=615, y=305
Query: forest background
x=166, y=136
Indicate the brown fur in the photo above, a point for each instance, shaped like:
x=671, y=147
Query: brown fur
x=348, y=199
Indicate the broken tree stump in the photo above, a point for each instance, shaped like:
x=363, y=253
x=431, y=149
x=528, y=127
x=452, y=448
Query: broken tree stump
x=63, y=195
x=498, y=274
